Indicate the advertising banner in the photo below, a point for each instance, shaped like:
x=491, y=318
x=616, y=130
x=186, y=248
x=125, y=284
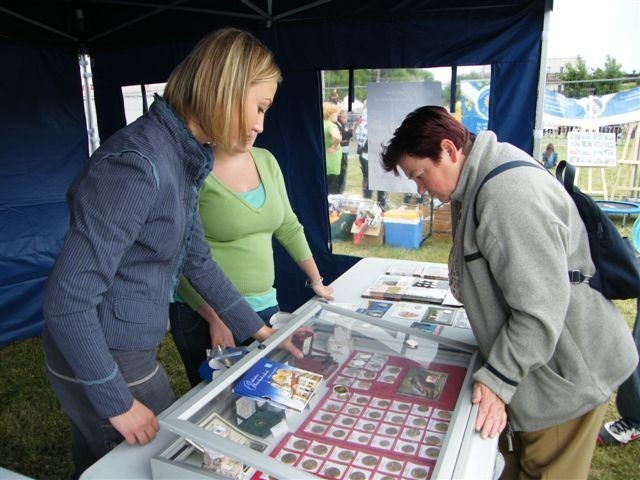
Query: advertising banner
x=593, y=111
x=474, y=97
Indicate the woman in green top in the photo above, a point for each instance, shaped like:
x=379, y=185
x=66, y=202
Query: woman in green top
x=243, y=203
x=333, y=152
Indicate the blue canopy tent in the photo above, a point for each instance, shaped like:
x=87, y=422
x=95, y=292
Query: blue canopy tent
x=43, y=142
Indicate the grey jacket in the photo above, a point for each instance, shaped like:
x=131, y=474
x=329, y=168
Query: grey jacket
x=134, y=228
x=553, y=350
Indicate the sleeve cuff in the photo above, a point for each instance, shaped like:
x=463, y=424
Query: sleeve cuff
x=111, y=398
x=502, y=387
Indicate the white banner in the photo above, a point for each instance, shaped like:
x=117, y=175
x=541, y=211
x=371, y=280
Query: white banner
x=387, y=105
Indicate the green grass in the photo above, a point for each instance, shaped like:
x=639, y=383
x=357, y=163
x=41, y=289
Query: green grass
x=34, y=435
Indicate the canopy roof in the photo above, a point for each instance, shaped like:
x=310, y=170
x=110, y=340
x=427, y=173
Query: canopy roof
x=43, y=143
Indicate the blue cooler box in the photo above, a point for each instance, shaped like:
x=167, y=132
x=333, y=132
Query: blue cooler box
x=403, y=228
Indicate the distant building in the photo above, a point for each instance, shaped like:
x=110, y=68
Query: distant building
x=555, y=67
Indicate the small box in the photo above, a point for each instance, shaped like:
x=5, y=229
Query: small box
x=403, y=228
x=372, y=237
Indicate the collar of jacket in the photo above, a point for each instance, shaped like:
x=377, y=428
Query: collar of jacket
x=196, y=157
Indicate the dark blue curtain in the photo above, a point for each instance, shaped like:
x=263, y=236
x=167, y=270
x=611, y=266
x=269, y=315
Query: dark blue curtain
x=43, y=144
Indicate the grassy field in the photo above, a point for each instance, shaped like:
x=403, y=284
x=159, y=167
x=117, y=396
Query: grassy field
x=34, y=436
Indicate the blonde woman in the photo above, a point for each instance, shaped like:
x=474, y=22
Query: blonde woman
x=243, y=203
x=134, y=230
x=332, y=139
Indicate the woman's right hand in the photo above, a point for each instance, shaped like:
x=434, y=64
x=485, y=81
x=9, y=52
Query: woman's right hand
x=136, y=425
x=220, y=334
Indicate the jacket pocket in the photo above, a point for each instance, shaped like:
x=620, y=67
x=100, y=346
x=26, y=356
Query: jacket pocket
x=553, y=381
x=134, y=311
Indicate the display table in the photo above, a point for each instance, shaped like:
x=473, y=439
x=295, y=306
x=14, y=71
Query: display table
x=349, y=287
x=464, y=453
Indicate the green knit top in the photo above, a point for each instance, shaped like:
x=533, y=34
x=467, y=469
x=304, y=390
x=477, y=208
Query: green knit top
x=333, y=159
x=240, y=234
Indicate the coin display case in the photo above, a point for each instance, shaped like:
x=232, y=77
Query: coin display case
x=393, y=404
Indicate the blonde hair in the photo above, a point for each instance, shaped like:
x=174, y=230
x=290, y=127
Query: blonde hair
x=212, y=82
x=329, y=109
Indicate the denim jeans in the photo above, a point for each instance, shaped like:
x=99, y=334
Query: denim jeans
x=628, y=397
x=91, y=436
x=191, y=335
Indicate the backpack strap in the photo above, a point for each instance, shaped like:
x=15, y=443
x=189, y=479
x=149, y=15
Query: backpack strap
x=566, y=175
x=497, y=171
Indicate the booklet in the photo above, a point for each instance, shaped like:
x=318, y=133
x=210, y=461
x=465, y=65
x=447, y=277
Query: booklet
x=280, y=384
x=409, y=311
x=398, y=287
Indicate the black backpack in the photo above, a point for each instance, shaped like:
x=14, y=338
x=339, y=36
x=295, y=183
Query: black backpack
x=617, y=274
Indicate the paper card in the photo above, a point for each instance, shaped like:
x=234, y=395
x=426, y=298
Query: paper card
x=461, y=320
x=412, y=434
x=443, y=316
x=375, y=308
x=333, y=470
x=343, y=455
x=391, y=465
x=433, y=439
x=408, y=311
x=444, y=415
x=406, y=448
x=316, y=428
x=319, y=449
x=366, y=460
x=358, y=473
x=431, y=328
x=423, y=383
x=310, y=464
x=288, y=457
x=414, y=471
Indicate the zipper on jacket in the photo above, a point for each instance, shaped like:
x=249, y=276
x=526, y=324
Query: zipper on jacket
x=509, y=437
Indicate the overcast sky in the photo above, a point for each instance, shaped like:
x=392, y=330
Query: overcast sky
x=594, y=29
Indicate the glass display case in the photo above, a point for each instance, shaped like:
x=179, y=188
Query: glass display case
x=333, y=394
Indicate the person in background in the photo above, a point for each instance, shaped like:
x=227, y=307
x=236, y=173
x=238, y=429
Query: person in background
x=332, y=139
x=133, y=230
x=553, y=350
x=346, y=133
x=362, y=140
x=626, y=428
x=549, y=157
x=243, y=204
x=335, y=96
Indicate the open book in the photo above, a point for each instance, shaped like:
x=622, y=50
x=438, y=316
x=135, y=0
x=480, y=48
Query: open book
x=280, y=384
x=398, y=287
x=432, y=271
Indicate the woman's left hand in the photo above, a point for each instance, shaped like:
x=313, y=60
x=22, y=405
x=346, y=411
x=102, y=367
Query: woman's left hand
x=492, y=412
x=324, y=291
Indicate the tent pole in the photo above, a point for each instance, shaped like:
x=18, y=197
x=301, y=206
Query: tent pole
x=85, y=60
x=454, y=93
x=542, y=80
x=351, y=89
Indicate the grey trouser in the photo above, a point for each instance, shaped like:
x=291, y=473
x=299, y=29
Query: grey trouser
x=91, y=436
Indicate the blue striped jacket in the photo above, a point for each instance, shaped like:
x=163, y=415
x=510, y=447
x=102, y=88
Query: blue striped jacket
x=134, y=227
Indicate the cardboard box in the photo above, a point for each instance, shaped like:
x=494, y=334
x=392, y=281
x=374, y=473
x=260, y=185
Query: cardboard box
x=372, y=237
